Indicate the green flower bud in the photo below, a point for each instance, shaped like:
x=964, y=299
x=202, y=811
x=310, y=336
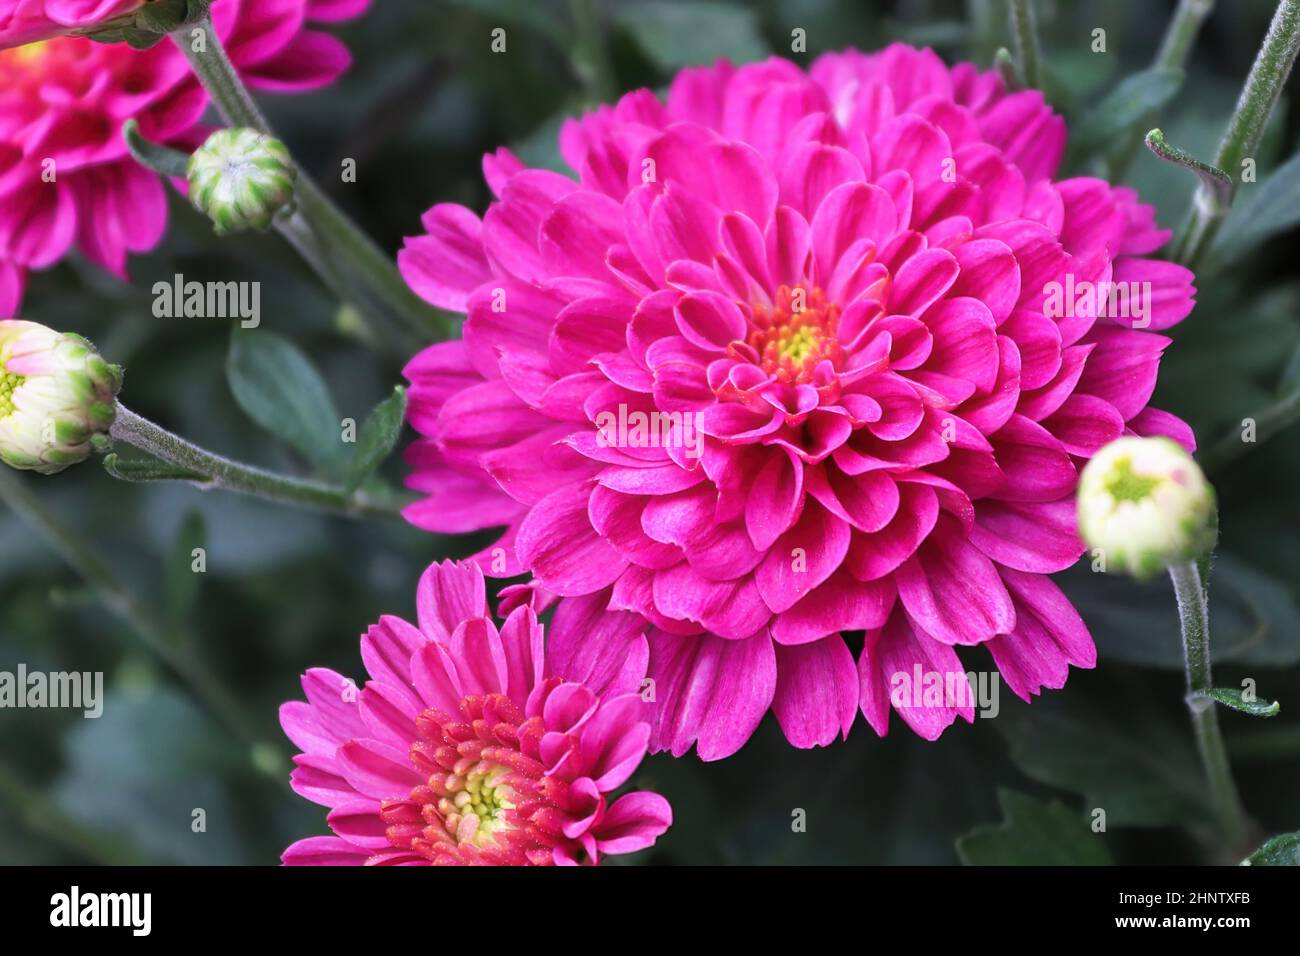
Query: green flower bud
x=241, y=178
x=57, y=397
x=1145, y=503
x=147, y=23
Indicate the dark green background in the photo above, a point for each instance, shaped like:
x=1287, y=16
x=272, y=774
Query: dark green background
x=287, y=589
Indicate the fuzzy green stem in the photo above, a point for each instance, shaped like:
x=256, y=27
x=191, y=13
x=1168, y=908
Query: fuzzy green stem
x=1175, y=50
x=1263, y=86
x=1194, y=616
x=340, y=247
x=1024, y=31
x=219, y=472
x=156, y=635
x=1180, y=35
x=1006, y=69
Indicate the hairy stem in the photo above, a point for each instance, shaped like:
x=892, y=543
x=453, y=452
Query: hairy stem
x=1175, y=50
x=1194, y=615
x=346, y=259
x=216, y=471
x=1024, y=31
x=1263, y=86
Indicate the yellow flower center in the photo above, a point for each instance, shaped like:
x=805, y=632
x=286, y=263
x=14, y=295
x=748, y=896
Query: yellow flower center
x=1126, y=485
x=9, y=382
x=477, y=803
x=795, y=333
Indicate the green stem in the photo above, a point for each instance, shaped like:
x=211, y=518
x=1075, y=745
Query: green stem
x=986, y=30
x=1175, y=50
x=1263, y=86
x=341, y=249
x=1194, y=615
x=1006, y=68
x=153, y=632
x=1180, y=35
x=1024, y=30
x=219, y=472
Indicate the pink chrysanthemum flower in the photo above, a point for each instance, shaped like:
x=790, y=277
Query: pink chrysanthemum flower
x=66, y=178
x=473, y=745
x=798, y=354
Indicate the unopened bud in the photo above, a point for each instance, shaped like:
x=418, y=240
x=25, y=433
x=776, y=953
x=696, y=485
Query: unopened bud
x=241, y=178
x=1145, y=503
x=56, y=396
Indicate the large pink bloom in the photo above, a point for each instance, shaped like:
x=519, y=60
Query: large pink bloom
x=471, y=744
x=66, y=178
x=845, y=276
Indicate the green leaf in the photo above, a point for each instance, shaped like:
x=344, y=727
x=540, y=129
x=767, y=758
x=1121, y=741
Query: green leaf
x=1262, y=210
x=1281, y=850
x=377, y=438
x=1211, y=177
x=1125, y=106
x=1126, y=750
x=278, y=387
x=1035, y=833
x=1231, y=697
x=181, y=581
x=161, y=159
x=675, y=35
x=147, y=469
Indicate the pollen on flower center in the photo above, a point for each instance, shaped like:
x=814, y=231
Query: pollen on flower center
x=1124, y=484
x=795, y=333
x=478, y=798
x=482, y=794
x=9, y=383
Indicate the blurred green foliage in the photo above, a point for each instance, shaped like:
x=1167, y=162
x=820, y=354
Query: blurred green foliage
x=286, y=589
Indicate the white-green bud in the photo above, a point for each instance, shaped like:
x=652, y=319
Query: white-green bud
x=241, y=178
x=56, y=396
x=1145, y=504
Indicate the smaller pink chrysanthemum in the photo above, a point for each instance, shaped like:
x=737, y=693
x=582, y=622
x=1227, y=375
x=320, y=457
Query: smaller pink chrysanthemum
x=466, y=746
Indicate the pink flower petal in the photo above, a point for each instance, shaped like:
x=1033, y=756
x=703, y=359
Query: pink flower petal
x=709, y=692
x=953, y=591
x=447, y=263
x=816, y=692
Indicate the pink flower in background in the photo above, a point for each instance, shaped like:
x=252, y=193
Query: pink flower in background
x=29, y=21
x=798, y=354
x=474, y=745
x=66, y=179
